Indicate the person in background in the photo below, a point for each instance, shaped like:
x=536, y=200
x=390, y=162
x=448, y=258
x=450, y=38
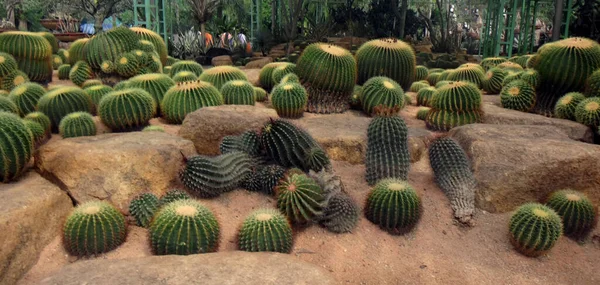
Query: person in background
x=87, y=28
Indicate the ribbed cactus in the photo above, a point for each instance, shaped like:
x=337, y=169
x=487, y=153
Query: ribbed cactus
x=260, y=95
x=491, y=62
x=153, y=128
x=187, y=97
x=300, y=198
x=381, y=91
x=281, y=71
x=433, y=78
x=8, y=64
x=186, y=65
x=532, y=77
x=421, y=72
x=41, y=119
x=592, y=85
x=167, y=70
x=7, y=105
x=510, y=66
x=146, y=46
x=268, y=176
x=142, y=208
x=56, y=61
x=128, y=64
x=64, y=55
x=518, y=95
x=329, y=74
x=126, y=109
x=77, y=124
x=184, y=76
x=387, y=147
x=289, y=100
x=531, y=61
x=565, y=107
x=473, y=74
x=62, y=101
x=238, y=92
x=16, y=146
x=220, y=75
x=265, y=77
x=32, y=52
x=578, y=214
x=424, y=96
x=387, y=57
x=265, y=230
x=456, y=104
x=172, y=196
x=37, y=131
x=534, y=229
x=453, y=174
x=393, y=205
x=26, y=96
x=121, y=85
x=156, y=84
x=184, y=227
x=80, y=72
x=76, y=50
x=63, y=72
x=444, y=75
x=417, y=85
x=290, y=78
x=494, y=77
x=159, y=44
x=93, y=228
x=248, y=142
x=212, y=176
x=108, y=67
x=510, y=77
x=111, y=45
x=51, y=40
x=587, y=112
x=422, y=113
x=90, y=83
x=96, y=93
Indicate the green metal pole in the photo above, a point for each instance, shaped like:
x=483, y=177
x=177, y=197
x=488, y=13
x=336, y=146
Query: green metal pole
x=535, y=11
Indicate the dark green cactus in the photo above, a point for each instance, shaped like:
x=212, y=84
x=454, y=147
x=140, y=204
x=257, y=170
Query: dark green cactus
x=153, y=128
x=51, y=39
x=76, y=50
x=260, y=95
x=212, y=176
x=93, y=228
x=592, y=85
x=56, y=61
x=41, y=119
x=77, y=124
x=534, y=229
x=424, y=96
x=417, y=85
x=265, y=230
x=187, y=97
x=436, y=70
x=142, y=208
x=433, y=78
x=172, y=196
x=470, y=73
x=32, y=52
x=7, y=105
x=184, y=227
x=96, y=93
x=422, y=113
x=455, y=104
x=90, y=83
x=8, y=64
x=532, y=77
x=393, y=205
x=220, y=75
x=421, y=72
x=381, y=91
x=149, y=36
x=80, y=72
x=317, y=159
x=494, y=77
x=127, y=65
x=565, y=106
x=37, y=131
x=387, y=147
x=64, y=55
x=111, y=45
x=126, y=109
x=289, y=100
x=156, y=84
x=184, y=76
x=387, y=57
x=186, y=65
x=64, y=71
x=578, y=214
x=491, y=62
x=248, y=142
x=281, y=71
x=518, y=95
x=238, y=92
x=265, y=78
x=268, y=176
x=300, y=198
x=16, y=146
x=587, y=112
x=62, y=101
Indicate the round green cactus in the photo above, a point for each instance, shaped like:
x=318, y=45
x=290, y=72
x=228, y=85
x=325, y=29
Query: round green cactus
x=578, y=214
x=141, y=57
x=565, y=107
x=444, y=75
x=156, y=84
x=416, y=86
x=62, y=101
x=76, y=50
x=289, y=100
x=184, y=227
x=153, y=128
x=26, y=96
x=260, y=95
x=172, y=196
x=90, y=83
x=8, y=64
x=64, y=55
x=41, y=119
x=56, y=61
x=587, y=112
x=34, y=60
x=444, y=120
x=108, y=67
x=329, y=74
x=127, y=65
x=187, y=97
x=80, y=72
x=266, y=230
x=93, y=228
x=534, y=229
x=16, y=146
x=238, y=92
x=510, y=77
x=7, y=105
x=12, y=80
x=532, y=77
x=51, y=40
x=184, y=76
x=265, y=77
x=290, y=78
x=422, y=113
x=457, y=96
x=64, y=71
x=300, y=198
x=77, y=124
x=510, y=66
x=494, y=77
x=220, y=75
x=592, y=85
x=442, y=83
x=142, y=208
x=111, y=45
x=387, y=57
x=491, y=62
x=126, y=109
x=393, y=205
x=268, y=176
x=518, y=95
x=341, y=214
x=159, y=44
x=281, y=71
x=210, y=177
x=186, y=65
x=421, y=72
x=38, y=132
x=96, y=93
x=424, y=96
x=433, y=78
x=381, y=90
x=121, y=85
x=146, y=46
x=471, y=73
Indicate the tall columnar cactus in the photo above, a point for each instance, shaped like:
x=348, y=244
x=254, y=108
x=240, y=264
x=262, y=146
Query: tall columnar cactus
x=7, y=105
x=453, y=174
x=491, y=62
x=41, y=119
x=473, y=74
x=159, y=44
x=77, y=124
x=32, y=52
x=393, y=205
x=96, y=93
x=456, y=104
x=289, y=100
x=578, y=214
x=187, y=97
x=260, y=95
x=387, y=147
x=26, y=96
x=494, y=77
x=518, y=95
x=266, y=230
x=8, y=64
x=300, y=198
x=424, y=96
x=212, y=176
x=265, y=78
x=16, y=146
x=532, y=77
x=220, y=75
x=186, y=65
x=558, y=73
x=587, y=112
x=110, y=46
x=565, y=107
x=62, y=101
x=93, y=228
x=329, y=74
x=126, y=109
x=381, y=91
x=387, y=57
x=172, y=196
x=184, y=227
x=238, y=92
x=64, y=71
x=154, y=83
x=534, y=229
x=80, y=72
x=421, y=72
x=184, y=76
x=592, y=85
x=142, y=208
x=268, y=176
x=76, y=50
x=281, y=71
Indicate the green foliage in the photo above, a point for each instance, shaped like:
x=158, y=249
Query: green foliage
x=26, y=96
x=212, y=176
x=266, y=230
x=518, y=95
x=260, y=95
x=592, y=84
x=381, y=90
x=187, y=97
x=184, y=227
x=156, y=84
x=455, y=104
x=96, y=93
x=16, y=146
x=300, y=198
x=494, y=77
x=289, y=100
x=80, y=72
x=491, y=62
x=31, y=51
x=126, y=109
x=62, y=101
x=565, y=106
x=77, y=124
x=534, y=229
x=159, y=44
x=471, y=73
x=393, y=205
x=281, y=71
x=422, y=113
x=94, y=227
x=186, y=65
x=142, y=208
x=172, y=196
x=219, y=75
x=153, y=128
x=56, y=61
x=532, y=77
x=421, y=72
x=76, y=50
x=41, y=119
x=238, y=92
x=268, y=176
x=417, y=85
x=184, y=76
x=587, y=112
x=387, y=57
x=578, y=214
x=424, y=96
x=8, y=64
x=112, y=46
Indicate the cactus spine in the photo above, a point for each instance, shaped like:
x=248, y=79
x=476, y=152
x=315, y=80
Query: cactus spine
x=142, y=208
x=300, y=198
x=534, y=229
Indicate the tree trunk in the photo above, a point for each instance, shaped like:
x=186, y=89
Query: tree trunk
x=402, y=19
x=98, y=23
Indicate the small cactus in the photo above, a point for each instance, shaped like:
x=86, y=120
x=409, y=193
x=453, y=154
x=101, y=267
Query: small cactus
x=80, y=72
x=300, y=198
x=184, y=76
x=260, y=95
x=90, y=83
x=424, y=96
x=238, y=92
x=62, y=101
x=186, y=65
x=63, y=72
x=341, y=214
x=172, y=196
x=393, y=205
x=579, y=215
x=518, y=95
x=289, y=100
x=266, y=230
x=422, y=113
x=381, y=91
x=534, y=229
x=7, y=105
x=37, y=131
x=220, y=75
x=587, y=112
x=268, y=176
x=565, y=106
x=142, y=208
x=77, y=124
x=532, y=77
x=96, y=93
x=41, y=119
x=418, y=85
x=492, y=83
x=421, y=72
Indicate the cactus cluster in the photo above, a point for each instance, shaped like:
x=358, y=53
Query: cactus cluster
x=32, y=52
x=492, y=82
x=565, y=106
x=220, y=75
x=265, y=230
x=155, y=39
x=16, y=146
x=238, y=92
x=77, y=124
x=381, y=90
x=187, y=97
x=142, y=208
x=518, y=95
x=387, y=57
x=393, y=205
x=300, y=198
x=456, y=104
x=578, y=214
x=534, y=229
x=26, y=96
x=212, y=176
x=289, y=100
x=62, y=101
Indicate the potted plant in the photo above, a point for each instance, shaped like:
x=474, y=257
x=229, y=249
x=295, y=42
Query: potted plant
x=68, y=30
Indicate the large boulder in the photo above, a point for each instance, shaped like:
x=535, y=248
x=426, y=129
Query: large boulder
x=207, y=126
x=515, y=164
x=259, y=63
x=498, y=115
x=114, y=167
x=32, y=212
x=221, y=60
x=252, y=74
x=223, y=268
